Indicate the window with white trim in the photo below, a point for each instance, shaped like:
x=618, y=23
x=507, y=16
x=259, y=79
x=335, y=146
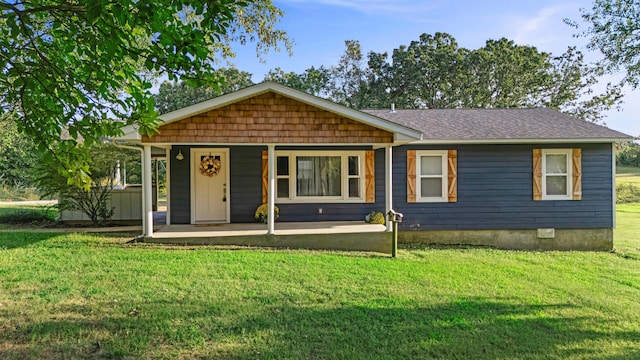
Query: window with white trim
x=556, y=174
x=320, y=176
x=431, y=176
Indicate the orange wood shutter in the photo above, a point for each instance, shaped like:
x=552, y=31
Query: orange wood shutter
x=370, y=176
x=452, y=170
x=265, y=175
x=537, y=174
x=411, y=176
x=577, y=174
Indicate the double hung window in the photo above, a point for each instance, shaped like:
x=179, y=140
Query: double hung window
x=319, y=176
x=431, y=171
x=556, y=174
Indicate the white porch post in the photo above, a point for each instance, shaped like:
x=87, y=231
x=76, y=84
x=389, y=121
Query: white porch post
x=388, y=192
x=168, y=184
x=147, y=219
x=271, y=196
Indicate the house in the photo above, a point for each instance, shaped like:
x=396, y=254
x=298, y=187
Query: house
x=511, y=178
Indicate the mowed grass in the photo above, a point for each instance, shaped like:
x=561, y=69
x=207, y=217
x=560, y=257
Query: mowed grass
x=628, y=175
x=17, y=215
x=82, y=296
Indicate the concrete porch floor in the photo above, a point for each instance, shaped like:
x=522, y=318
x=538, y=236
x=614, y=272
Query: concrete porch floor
x=350, y=236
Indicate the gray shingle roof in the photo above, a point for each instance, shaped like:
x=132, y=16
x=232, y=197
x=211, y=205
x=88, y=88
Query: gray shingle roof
x=497, y=124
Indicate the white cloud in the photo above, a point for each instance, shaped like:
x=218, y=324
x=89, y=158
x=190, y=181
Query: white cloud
x=377, y=6
x=545, y=29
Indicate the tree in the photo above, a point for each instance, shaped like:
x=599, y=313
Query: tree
x=76, y=64
x=94, y=202
x=348, y=79
x=428, y=73
x=614, y=29
x=17, y=155
x=628, y=154
x=175, y=95
x=312, y=81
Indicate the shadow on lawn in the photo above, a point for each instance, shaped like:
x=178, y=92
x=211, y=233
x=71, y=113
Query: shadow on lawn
x=466, y=329
x=13, y=240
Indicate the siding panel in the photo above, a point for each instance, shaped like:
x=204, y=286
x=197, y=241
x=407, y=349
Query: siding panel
x=180, y=186
x=495, y=191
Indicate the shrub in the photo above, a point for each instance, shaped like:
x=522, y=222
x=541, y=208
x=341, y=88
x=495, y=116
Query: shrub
x=94, y=201
x=627, y=193
x=628, y=154
x=27, y=216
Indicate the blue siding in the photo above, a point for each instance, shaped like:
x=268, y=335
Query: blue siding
x=180, y=186
x=246, y=182
x=494, y=191
x=495, y=185
x=245, y=189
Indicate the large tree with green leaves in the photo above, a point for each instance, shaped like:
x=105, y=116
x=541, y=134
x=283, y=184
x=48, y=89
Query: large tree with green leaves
x=176, y=95
x=79, y=64
x=434, y=72
x=614, y=30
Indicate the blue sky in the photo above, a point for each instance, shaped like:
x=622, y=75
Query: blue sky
x=320, y=27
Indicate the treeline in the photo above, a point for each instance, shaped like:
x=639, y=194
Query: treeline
x=435, y=72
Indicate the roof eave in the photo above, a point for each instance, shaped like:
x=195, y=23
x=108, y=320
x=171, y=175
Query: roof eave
x=522, y=141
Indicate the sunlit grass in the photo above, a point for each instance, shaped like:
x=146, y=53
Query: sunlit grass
x=78, y=296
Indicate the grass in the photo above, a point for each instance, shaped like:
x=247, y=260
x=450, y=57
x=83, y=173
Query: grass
x=628, y=184
x=81, y=296
x=33, y=216
x=628, y=174
x=17, y=193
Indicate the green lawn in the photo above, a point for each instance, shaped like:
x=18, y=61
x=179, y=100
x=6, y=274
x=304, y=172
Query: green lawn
x=628, y=175
x=26, y=216
x=81, y=296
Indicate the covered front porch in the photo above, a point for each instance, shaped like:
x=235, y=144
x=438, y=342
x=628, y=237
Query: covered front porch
x=321, y=164
x=343, y=235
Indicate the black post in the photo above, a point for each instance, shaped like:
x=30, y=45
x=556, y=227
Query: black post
x=394, y=245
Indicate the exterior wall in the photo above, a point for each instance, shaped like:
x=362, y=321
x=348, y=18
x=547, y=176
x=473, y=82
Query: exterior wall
x=494, y=191
x=245, y=191
x=269, y=118
x=526, y=239
x=495, y=185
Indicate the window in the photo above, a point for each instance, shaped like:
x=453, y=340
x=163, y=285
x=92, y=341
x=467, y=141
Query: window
x=312, y=176
x=431, y=174
x=556, y=174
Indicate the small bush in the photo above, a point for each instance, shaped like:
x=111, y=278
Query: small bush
x=27, y=216
x=627, y=193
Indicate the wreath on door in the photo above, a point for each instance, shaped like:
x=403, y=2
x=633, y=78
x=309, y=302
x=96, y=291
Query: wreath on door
x=210, y=166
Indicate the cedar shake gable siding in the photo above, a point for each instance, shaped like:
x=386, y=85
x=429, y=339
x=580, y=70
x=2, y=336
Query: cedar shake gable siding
x=268, y=118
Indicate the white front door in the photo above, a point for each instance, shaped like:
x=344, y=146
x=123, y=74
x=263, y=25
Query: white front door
x=209, y=190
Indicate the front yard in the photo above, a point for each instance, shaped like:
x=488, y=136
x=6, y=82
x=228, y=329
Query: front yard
x=82, y=296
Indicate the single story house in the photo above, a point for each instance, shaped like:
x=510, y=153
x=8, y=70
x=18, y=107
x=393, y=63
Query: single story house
x=512, y=178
